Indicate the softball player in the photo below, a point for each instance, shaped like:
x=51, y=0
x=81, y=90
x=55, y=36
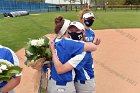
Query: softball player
x=87, y=18
x=7, y=55
x=82, y=64
x=66, y=49
x=85, y=79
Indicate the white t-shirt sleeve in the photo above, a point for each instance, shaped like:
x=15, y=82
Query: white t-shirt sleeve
x=75, y=61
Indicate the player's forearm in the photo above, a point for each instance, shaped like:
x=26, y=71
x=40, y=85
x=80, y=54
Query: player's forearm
x=11, y=84
x=58, y=65
x=89, y=46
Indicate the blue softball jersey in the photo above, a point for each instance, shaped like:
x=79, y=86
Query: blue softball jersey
x=85, y=69
x=65, y=49
x=7, y=54
x=90, y=35
x=83, y=65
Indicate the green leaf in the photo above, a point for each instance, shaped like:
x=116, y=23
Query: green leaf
x=31, y=49
x=4, y=78
x=46, y=41
x=7, y=64
x=48, y=54
x=14, y=70
x=36, y=57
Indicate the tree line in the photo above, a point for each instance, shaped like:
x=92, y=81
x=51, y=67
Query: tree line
x=117, y=2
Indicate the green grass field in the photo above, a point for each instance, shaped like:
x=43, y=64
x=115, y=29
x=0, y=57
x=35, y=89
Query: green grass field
x=14, y=32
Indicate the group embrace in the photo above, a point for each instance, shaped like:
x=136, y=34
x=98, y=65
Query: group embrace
x=71, y=67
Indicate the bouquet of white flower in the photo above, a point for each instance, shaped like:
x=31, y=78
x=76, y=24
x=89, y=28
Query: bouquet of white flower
x=36, y=49
x=7, y=70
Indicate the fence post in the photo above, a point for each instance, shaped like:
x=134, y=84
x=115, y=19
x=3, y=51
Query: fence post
x=76, y=8
x=40, y=5
x=66, y=8
x=131, y=6
x=96, y=7
x=14, y=5
x=29, y=5
x=58, y=7
x=136, y=7
x=48, y=8
x=71, y=7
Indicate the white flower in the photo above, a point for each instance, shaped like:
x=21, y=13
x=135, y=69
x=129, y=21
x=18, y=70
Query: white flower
x=29, y=53
x=3, y=67
x=40, y=42
x=0, y=71
x=34, y=42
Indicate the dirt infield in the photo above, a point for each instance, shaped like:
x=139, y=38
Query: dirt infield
x=116, y=62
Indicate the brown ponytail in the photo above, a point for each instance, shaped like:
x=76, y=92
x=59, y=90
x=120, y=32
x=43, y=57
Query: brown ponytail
x=59, y=21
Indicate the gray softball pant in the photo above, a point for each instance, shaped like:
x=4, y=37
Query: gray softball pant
x=88, y=87
x=53, y=88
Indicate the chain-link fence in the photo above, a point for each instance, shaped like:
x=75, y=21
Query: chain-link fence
x=116, y=7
